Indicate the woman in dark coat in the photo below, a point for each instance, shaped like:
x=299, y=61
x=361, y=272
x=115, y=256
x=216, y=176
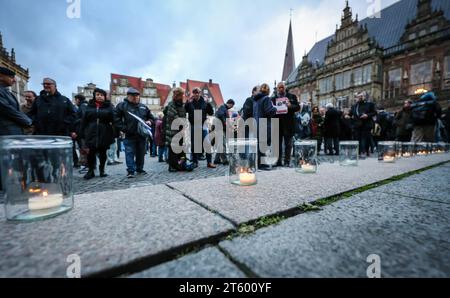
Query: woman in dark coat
x=97, y=131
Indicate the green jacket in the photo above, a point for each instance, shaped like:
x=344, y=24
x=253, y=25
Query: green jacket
x=171, y=112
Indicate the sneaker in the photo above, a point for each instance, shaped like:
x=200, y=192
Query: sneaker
x=141, y=172
x=131, y=176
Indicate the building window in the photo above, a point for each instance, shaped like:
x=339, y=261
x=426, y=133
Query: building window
x=367, y=74
x=421, y=76
x=326, y=85
x=357, y=74
x=394, y=82
x=304, y=97
x=325, y=101
x=339, y=81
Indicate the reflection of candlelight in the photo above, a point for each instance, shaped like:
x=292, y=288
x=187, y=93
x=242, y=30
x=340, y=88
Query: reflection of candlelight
x=407, y=154
x=44, y=201
x=422, y=153
x=389, y=159
x=307, y=168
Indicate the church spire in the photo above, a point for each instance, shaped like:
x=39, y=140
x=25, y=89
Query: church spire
x=13, y=55
x=289, y=59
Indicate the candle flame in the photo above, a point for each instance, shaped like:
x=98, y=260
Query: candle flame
x=45, y=194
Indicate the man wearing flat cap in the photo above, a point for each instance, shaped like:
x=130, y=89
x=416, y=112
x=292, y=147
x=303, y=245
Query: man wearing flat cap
x=12, y=120
x=135, y=144
x=53, y=114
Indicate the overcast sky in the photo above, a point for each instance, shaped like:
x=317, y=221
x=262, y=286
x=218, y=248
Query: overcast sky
x=237, y=43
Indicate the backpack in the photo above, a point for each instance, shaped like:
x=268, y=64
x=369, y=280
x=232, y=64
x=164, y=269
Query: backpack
x=423, y=113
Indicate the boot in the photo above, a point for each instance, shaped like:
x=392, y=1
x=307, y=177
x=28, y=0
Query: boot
x=102, y=172
x=90, y=174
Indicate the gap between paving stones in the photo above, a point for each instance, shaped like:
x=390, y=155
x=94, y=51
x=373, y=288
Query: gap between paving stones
x=251, y=227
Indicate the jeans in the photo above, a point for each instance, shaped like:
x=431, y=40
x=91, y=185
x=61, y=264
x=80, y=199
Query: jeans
x=162, y=152
x=135, y=154
x=196, y=156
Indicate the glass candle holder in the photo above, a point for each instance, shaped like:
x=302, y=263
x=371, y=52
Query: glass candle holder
x=37, y=176
x=398, y=150
x=439, y=148
x=349, y=153
x=306, y=157
x=242, y=156
x=408, y=150
x=387, y=152
x=422, y=149
x=447, y=147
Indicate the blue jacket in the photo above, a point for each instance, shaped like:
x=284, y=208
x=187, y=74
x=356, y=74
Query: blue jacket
x=263, y=108
x=12, y=120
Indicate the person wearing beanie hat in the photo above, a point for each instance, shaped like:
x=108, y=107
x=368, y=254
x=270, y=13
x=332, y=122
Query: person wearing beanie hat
x=12, y=119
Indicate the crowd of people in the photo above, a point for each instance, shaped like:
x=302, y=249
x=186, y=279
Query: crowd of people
x=101, y=131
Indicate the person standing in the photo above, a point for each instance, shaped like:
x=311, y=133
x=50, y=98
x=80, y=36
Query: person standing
x=53, y=114
x=97, y=131
x=223, y=114
x=160, y=138
x=175, y=110
x=30, y=97
x=198, y=104
x=287, y=123
x=425, y=113
x=362, y=114
x=135, y=144
x=12, y=120
x=81, y=105
x=346, y=126
x=317, y=127
x=263, y=109
x=403, y=123
x=332, y=130
x=446, y=121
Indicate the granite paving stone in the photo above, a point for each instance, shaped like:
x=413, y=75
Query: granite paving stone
x=282, y=190
x=208, y=263
x=411, y=236
x=106, y=230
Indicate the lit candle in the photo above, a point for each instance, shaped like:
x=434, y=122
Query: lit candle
x=247, y=178
x=407, y=154
x=422, y=153
x=307, y=168
x=389, y=159
x=44, y=201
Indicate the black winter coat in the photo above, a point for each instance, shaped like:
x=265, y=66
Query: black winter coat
x=358, y=110
x=332, y=124
x=247, y=110
x=200, y=105
x=288, y=121
x=97, y=125
x=12, y=120
x=126, y=123
x=53, y=115
x=79, y=115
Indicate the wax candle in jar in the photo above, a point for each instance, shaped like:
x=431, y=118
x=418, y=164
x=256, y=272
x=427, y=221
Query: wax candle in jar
x=44, y=200
x=246, y=178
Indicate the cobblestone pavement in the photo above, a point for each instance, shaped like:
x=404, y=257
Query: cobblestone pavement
x=157, y=174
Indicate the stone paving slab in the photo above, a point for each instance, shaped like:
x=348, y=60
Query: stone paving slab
x=411, y=236
x=282, y=190
x=106, y=230
x=434, y=186
x=208, y=263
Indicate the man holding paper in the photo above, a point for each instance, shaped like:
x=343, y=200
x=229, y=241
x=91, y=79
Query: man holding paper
x=287, y=105
x=131, y=117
